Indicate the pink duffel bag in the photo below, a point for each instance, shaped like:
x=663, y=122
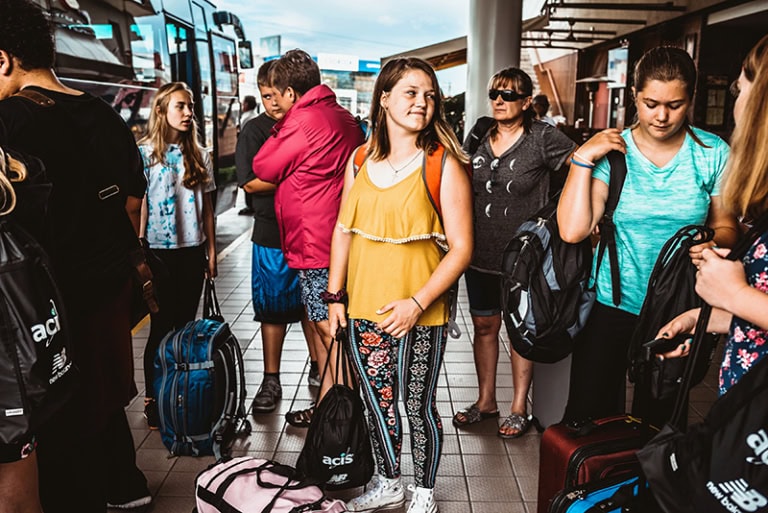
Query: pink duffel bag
x=251, y=485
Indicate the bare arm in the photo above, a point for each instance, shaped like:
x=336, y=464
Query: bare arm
x=209, y=228
x=582, y=202
x=340, y=242
x=134, y=207
x=723, y=284
x=259, y=186
x=726, y=228
x=719, y=322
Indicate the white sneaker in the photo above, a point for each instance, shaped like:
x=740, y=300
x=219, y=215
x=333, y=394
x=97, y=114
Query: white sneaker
x=383, y=495
x=422, y=500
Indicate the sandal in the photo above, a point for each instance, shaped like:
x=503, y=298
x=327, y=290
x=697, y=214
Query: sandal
x=516, y=421
x=472, y=415
x=300, y=418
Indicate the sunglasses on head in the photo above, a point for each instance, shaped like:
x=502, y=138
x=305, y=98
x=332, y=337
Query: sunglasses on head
x=507, y=95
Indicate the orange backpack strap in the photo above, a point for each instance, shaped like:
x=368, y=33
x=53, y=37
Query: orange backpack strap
x=360, y=157
x=432, y=174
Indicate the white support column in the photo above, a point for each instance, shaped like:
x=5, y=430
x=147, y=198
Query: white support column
x=493, y=43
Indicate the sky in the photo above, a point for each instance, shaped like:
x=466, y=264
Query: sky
x=368, y=29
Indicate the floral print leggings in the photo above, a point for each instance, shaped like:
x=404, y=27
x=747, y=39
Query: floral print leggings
x=383, y=363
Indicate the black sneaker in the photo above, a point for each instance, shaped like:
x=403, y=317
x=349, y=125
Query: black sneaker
x=266, y=398
x=152, y=415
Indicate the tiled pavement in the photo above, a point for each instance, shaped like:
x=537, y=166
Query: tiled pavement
x=479, y=472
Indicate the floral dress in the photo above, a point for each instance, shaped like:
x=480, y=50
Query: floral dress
x=746, y=343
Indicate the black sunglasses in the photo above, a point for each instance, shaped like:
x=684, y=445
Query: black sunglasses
x=507, y=95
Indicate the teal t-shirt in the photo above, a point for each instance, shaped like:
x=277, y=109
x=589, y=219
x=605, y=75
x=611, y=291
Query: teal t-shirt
x=656, y=202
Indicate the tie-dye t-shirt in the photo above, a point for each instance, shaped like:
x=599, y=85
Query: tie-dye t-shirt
x=174, y=213
x=747, y=343
x=655, y=202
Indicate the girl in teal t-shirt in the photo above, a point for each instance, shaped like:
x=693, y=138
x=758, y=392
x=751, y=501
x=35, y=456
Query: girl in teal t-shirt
x=673, y=175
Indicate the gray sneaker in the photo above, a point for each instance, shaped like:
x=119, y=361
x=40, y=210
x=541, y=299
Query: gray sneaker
x=266, y=398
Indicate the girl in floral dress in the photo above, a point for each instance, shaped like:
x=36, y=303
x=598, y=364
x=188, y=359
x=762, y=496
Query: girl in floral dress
x=738, y=291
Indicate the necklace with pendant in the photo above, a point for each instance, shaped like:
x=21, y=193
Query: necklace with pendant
x=396, y=170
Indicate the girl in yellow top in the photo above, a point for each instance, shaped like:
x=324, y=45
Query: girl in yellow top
x=398, y=259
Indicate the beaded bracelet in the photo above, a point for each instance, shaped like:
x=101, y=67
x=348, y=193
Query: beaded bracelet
x=329, y=297
x=581, y=164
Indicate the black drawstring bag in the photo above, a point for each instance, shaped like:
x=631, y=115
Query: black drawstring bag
x=337, y=451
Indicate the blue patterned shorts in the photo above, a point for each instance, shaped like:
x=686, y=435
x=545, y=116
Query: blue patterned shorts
x=313, y=282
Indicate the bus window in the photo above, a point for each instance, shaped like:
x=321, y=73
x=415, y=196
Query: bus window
x=178, y=47
x=149, y=53
x=227, y=104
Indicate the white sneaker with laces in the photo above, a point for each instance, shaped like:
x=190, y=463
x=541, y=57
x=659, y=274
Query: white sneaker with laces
x=422, y=500
x=383, y=495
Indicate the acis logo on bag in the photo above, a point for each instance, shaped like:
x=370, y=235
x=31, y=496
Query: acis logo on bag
x=758, y=442
x=345, y=458
x=47, y=329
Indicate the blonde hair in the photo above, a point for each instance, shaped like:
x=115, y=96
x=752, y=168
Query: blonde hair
x=11, y=170
x=195, y=172
x=437, y=131
x=745, y=186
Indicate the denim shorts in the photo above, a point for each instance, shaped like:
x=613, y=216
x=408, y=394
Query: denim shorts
x=313, y=282
x=484, y=291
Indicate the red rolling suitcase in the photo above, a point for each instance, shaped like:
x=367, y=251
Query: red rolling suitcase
x=597, y=450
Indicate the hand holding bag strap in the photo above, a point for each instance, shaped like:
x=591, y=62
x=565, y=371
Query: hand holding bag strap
x=618, y=164
x=737, y=253
x=211, y=308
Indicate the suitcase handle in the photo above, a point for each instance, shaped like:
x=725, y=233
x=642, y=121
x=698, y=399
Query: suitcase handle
x=591, y=426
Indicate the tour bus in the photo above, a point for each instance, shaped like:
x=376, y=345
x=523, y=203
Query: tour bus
x=123, y=50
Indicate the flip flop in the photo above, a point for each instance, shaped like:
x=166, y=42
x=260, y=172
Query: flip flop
x=472, y=415
x=521, y=423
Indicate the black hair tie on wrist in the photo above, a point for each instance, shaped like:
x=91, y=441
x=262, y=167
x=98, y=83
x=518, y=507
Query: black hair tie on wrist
x=330, y=297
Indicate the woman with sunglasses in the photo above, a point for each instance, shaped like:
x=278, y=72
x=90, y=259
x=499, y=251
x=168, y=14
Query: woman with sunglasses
x=512, y=167
x=673, y=180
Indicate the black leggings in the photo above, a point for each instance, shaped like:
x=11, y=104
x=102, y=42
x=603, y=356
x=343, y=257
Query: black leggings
x=599, y=365
x=180, y=284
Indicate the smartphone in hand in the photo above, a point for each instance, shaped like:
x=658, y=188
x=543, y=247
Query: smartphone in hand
x=664, y=345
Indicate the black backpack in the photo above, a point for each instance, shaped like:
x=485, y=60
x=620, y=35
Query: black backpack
x=671, y=291
x=545, y=295
x=337, y=450
x=37, y=376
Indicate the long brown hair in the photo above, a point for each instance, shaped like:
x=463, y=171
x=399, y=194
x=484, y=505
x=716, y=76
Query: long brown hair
x=745, y=186
x=437, y=131
x=195, y=172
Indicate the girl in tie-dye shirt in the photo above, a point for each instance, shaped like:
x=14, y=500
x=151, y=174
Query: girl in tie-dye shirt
x=177, y=218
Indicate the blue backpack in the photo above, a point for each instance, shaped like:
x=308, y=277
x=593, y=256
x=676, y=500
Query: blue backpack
x=200, y=385
x=546, y=298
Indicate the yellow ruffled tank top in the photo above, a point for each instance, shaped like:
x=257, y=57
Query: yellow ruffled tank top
x=397, y=243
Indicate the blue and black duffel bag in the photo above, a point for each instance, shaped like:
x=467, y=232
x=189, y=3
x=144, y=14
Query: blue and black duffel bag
x=200, y=385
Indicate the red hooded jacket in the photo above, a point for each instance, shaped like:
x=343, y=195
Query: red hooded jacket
x=306, y=158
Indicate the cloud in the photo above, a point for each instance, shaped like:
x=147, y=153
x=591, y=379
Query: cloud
x=369, y=29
